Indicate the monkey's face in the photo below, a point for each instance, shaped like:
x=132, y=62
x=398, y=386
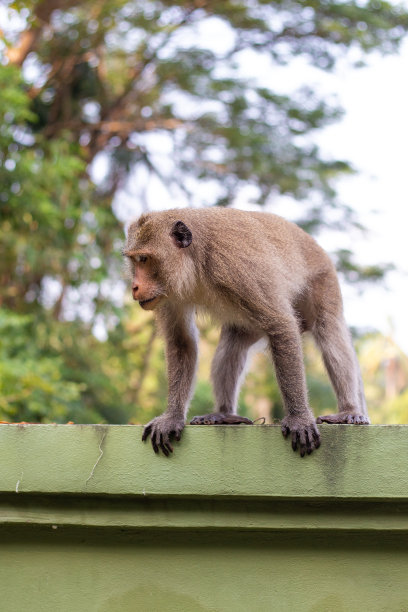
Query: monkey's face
x=157, y=261
x=146, y=286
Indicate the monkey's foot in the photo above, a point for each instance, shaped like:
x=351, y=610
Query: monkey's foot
x=306, y=436
x=161, y=430
x=348, y=418
x=218, y=418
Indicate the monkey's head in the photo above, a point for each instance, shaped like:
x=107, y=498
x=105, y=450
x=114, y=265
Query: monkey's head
x=154, y=250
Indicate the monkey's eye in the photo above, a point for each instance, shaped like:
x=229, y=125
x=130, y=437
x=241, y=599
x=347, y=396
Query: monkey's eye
x=141, y=258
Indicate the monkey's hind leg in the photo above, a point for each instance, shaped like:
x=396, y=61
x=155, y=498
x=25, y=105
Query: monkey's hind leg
x=227, y=371
x=334, y=340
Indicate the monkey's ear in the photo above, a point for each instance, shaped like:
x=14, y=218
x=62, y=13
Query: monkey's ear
x=181, y=235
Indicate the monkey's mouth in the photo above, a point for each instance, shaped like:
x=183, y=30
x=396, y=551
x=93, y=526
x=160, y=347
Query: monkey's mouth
x=151, y=303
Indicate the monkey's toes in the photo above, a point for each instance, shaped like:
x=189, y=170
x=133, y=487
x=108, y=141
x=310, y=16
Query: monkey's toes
x=217, y=418
x=344, y=418
x=306, y=438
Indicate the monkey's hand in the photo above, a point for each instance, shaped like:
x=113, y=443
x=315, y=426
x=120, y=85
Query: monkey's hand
x=161, y=430
x=304, y=433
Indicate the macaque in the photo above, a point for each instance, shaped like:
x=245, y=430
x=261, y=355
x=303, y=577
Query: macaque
x=261, y=277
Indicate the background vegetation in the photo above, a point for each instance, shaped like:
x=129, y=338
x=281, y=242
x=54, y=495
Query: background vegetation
x=108, y=104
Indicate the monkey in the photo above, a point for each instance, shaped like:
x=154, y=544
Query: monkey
x=261, y=277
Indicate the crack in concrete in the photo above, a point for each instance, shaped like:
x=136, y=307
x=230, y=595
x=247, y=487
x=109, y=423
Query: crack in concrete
x=19, y=481
x=98, y=459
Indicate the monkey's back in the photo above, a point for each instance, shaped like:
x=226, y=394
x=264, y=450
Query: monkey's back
x=250, y=240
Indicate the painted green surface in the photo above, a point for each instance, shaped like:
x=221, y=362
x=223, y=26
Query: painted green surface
x=92, y=520
x=358, y=462
x=184, y=572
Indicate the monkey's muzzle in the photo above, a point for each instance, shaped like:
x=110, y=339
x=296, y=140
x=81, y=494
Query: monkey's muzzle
x=151, y=303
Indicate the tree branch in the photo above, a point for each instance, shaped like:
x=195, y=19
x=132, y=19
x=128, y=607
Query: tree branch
x=29, y=38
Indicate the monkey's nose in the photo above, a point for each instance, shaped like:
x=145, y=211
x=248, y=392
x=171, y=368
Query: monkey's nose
x=135, y=289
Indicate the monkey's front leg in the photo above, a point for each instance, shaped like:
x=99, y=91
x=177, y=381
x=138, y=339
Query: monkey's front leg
x=288, y=359
x=181, y=351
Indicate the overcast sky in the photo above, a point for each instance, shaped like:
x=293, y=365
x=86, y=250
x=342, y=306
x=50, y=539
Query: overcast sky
x=373, y=135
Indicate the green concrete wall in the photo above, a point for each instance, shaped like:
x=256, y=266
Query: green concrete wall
x=92, y=520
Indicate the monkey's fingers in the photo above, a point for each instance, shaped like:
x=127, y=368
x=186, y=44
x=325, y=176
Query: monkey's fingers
x=146, y=432
x=303, y=442
x=165, y=444
x=312, y=435
x=315, y=435
x=161, y=445
x=295, y=439
x=309, y=442
x=285, y=430
x=155, y=442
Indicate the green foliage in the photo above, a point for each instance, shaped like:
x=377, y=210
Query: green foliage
x=32, y=386
x=395, y=410
x=58, y=371
x=55, y=246
x=52, y=224
x=203, y=400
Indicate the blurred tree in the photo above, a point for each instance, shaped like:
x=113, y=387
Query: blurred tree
x=385, y=370
x=32, y=385
x=113, y=73
x=143, y=90
x=57, y=248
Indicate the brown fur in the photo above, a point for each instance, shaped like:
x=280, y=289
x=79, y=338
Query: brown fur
x=260, y=276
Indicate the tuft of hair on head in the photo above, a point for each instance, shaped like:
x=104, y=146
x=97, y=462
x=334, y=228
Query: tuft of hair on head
x=142, y=220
